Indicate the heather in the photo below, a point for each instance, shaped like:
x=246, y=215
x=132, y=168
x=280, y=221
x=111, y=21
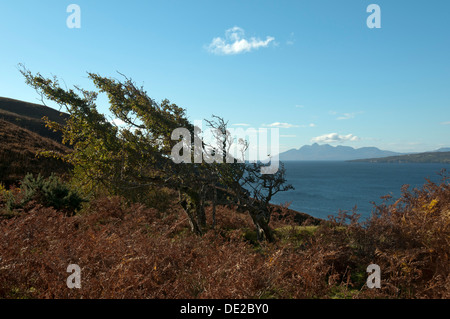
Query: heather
x=130, y=250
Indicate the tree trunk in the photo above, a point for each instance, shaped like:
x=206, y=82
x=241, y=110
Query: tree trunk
x=191, y=210
x=261, y=220
x=214, y=208
x=199, y=201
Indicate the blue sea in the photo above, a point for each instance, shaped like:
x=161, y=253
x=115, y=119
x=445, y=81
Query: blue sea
x=323, y=188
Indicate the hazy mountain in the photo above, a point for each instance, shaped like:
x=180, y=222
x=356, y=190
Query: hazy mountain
x=326, y=152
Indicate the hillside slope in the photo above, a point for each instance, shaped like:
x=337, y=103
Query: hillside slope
x=18, y=148
x=29, y=116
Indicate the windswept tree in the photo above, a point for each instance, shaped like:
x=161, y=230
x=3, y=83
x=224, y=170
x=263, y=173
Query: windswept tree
x=128, y=160
x=245, y=181
x=136, y=157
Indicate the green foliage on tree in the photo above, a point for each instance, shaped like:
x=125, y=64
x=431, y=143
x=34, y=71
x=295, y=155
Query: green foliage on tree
x=134, y=159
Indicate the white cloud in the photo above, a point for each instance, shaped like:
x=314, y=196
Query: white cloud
x=235, y=42
x=287, y=125
x=309, y=125
x=288, y=135
x=346, y=116
x=281, y=125
x=335, y=138
x=241, y=124
x=446, y=123
x=300, y=106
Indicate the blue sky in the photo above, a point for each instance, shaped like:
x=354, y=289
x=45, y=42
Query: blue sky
x=312, y=68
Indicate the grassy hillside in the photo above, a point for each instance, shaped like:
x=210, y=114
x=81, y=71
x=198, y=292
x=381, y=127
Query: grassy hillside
x=22, y=135
x=29, y=116
x=428, y=157
x=18, y=148
x=132, y=251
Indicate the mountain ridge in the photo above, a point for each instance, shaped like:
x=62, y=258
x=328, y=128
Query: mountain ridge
x=327, y=152
x=29, y=116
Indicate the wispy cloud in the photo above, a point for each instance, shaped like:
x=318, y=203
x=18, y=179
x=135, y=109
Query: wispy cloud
x=291, y=39
x=446, y=123
x=235, y=43
x=280, y=125
x=299, y=106
x=335, y=138
x=344, y=116
x=240, y=124
x=288, y=135
x=287, y=125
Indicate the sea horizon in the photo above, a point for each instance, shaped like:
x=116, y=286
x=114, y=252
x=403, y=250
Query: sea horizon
x=323, y=188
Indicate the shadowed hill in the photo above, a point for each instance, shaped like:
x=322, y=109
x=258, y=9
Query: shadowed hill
x=29, y=116
x=18, y=149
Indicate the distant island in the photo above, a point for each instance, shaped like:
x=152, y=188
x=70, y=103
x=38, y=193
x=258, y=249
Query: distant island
x=326, y=152
x=427, y=157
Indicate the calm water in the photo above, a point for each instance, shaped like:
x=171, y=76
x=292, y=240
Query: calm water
x=322, y=188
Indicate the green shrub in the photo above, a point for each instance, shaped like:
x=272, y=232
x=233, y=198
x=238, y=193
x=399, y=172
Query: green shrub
x=50, y=192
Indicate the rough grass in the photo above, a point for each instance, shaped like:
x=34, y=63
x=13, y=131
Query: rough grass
x=132, y=251
x=18, y=149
